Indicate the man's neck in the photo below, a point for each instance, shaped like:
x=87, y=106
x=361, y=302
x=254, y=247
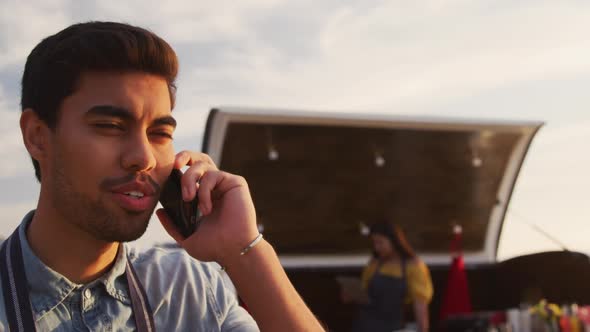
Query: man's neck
x=69, y=250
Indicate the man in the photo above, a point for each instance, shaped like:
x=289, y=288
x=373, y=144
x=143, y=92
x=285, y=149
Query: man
x=97, y=122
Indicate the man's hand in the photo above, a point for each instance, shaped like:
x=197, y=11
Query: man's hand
x=228, y=216
x=229, y=225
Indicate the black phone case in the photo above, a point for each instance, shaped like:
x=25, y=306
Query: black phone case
x=185, y=215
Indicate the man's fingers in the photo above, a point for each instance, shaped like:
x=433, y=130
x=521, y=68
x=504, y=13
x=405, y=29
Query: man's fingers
x=199, y=163
x=207, y=183
x=169, y=226
x=190, y=179
x=184, y=158
x=204, y=179
x=214, y=185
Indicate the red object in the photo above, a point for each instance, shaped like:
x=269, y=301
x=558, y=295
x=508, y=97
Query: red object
x=497, y=318
x=456, y=299
x=565, y=323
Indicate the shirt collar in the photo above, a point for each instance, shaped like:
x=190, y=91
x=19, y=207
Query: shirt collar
x=48, y=288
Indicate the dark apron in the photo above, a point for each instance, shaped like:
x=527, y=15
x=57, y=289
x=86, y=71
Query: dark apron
x=384, y=312
x=16, y=292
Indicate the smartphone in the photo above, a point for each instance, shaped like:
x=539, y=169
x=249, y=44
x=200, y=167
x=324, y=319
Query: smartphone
x=185, y=215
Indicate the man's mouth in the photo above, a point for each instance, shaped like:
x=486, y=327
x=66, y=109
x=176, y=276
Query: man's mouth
x=135, y=194
x=135, y=200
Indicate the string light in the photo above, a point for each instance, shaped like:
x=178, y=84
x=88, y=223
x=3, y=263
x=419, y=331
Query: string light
x=475, y=142
x=379, y=160
x=273, y=154
x=378, y=153
x=476, y=161
x=364, y=229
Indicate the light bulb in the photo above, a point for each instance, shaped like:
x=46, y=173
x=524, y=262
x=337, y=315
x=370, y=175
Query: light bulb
x=273, y=154
x=379, y=161
x=476, y=161
x=364, y=229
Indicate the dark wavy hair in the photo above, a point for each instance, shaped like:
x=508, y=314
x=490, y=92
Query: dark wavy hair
x=396, y=236
x=54, y=67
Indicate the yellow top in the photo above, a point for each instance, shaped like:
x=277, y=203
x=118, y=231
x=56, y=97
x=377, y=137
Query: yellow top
x=418, y=281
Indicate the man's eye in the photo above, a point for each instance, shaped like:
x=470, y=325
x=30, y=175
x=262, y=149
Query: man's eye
x=162, y=134
x=108, y=126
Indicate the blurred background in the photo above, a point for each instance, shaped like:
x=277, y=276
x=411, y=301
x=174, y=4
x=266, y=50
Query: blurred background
x=498, y=60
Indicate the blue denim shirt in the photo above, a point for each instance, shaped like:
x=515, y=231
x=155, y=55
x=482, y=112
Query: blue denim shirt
x=184, y=294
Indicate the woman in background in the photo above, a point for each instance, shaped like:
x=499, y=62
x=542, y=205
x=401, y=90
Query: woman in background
x=394, y=276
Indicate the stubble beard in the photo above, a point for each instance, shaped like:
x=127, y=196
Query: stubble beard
x=94, y=216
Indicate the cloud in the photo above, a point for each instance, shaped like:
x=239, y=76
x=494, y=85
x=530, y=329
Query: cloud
x=357, y=55
x=401, y=53
x=24, y=23
x=556, y=170
x=552, y=189
x=510, y=60
x=12, y=152
x=12, y=216
x=180, y=21
x=395, y=55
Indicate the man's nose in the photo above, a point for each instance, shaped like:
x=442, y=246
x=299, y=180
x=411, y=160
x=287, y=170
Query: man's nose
x=138, y=155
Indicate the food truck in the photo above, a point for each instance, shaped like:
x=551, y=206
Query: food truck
x=319, y=179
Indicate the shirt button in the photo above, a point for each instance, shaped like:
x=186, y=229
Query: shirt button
x=87, y=293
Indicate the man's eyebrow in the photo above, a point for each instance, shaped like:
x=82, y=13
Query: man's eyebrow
x=110, y=111
x=124, y=114
x=165, y=121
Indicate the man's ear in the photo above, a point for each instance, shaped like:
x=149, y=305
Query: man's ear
x=35, y=134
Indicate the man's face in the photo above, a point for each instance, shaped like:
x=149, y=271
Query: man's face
x=110, y=154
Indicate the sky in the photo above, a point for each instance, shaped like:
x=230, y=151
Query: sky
x=505, y=60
